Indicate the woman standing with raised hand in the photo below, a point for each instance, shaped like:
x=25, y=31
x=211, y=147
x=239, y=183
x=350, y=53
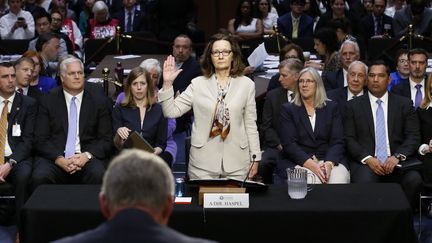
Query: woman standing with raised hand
x=224, y=140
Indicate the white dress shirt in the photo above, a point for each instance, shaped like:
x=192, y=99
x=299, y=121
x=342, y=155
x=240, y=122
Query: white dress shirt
x=8, y=21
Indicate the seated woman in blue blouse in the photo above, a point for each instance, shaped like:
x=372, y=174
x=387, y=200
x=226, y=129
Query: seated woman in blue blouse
x=311, y=132
x=139, y=111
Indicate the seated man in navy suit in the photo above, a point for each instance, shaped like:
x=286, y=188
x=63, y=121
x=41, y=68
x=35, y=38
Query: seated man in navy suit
x=348, y=53
x=73, y=132
x=289, y=72
x=296, y=24
x=137, y=198
x=377, y=24
x=382, y=133
x=414, y=87
x=18, y=114
x=357, y=75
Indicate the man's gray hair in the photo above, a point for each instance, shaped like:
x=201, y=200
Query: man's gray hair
x=350, y=42
x=358, y=63
x=151, y=63
x=136, y=177
x=64, y=62
x=293, y=64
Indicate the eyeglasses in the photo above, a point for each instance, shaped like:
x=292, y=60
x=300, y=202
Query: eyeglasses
x=224, y=53
x=403, y=61
x=306, y=81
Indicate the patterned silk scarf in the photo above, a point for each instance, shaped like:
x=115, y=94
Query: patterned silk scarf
x=221, y=118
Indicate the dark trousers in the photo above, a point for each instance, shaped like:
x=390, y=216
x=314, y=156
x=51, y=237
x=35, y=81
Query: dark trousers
x=268, y=164
x=46, y=172
x=410, y=180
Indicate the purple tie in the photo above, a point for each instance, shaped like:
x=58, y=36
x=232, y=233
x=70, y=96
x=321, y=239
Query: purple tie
x=72, y=129
x=419, y=96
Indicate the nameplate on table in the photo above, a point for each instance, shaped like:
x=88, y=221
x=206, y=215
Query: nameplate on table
x=226, y=200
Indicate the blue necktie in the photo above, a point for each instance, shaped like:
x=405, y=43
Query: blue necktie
x=419, y=96
x=72, y=129
x=380, y=134
x=129, y=22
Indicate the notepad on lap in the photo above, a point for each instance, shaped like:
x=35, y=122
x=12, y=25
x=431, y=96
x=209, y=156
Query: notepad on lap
x=135, y=140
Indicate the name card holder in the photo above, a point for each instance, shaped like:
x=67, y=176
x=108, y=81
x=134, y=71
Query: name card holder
x=226, y=200
x=219, y=189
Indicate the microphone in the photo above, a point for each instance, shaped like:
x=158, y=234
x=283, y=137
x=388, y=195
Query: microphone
x=250, y=168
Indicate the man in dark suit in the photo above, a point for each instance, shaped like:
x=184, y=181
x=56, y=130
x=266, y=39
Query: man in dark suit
x=296, y=24
x=15, y=153
x=357, y=74
x=348, y=53
x=288, y=70
x=141, y=215
x=131, y=17
x=414, y=87
x=24, y=68
x=73, y=132
x=382, y=132
x=281, y=6
x=48, y=47
x=377, y=24
x=182, y=52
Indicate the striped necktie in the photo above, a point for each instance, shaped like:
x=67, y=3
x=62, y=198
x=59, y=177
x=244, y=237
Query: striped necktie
x=3, y=131
x=380, y=134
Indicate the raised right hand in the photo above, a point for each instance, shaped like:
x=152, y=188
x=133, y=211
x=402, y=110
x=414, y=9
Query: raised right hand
x=169, y=73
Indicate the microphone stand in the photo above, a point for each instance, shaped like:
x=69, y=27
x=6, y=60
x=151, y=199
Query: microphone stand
x=250, y=168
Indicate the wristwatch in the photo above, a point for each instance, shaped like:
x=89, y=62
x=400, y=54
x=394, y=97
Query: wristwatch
x=89, y=155
x=399, y=156
x=12, y=162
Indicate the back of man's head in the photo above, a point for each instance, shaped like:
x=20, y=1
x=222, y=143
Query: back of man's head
x=137, y=179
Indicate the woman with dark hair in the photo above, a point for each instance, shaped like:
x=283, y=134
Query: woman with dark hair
x=139, y=111
x=244, y=26
x=268, y=18
x=85, y=15
x=337, y=11
x=342, y=27
x=224, y=139
x=311, y=133
x=326, y=45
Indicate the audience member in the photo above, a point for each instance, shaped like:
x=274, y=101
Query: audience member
x=402, y=68
x=311, y=133
x=244, y=27
x=43, y=83
x=16, y=136
x=222, y=95
x=356, y=76
x=4, y=8
x=62, y=25
x=289, y=72
x=268, y=18
x=18, y=23
x=102, y=25
x=381, y=131
x=24, y=73
x=338, y=11
x=140, y=112
x=326, y=45
x=281, y=6
x=85, y=15
x=289, y=51
x=43, y=26
x=296, y=24
x=137, y=198
x=414, y=87
x=348, y=53
x=416, y=14
x=425, y=116
x=48, y=46
x=32, y=7
x=74, y=132
x=130, y=17
x=377, y=24
x=342, y=27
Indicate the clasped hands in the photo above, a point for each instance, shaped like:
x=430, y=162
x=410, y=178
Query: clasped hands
x=321, y=169
x=382, y=169
x=73, y=163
